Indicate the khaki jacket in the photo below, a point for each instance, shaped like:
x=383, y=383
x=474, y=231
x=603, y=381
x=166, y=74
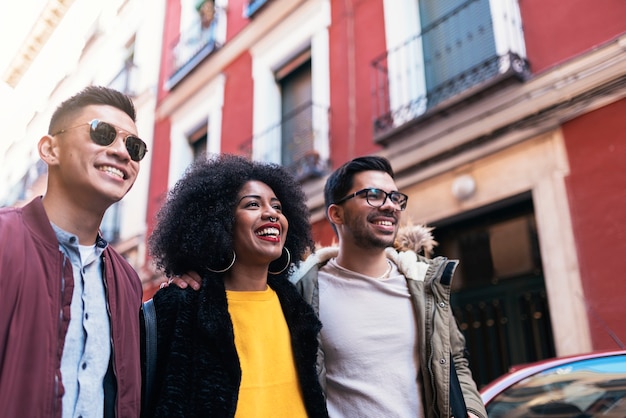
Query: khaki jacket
x=440, y=339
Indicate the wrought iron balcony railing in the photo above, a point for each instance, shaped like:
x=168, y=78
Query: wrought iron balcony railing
x=254, y=6
x=294, y=142
x=451, y=58
x=192, y=47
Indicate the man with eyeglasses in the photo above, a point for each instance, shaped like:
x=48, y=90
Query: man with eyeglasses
x=69, y=303
x=390, y=346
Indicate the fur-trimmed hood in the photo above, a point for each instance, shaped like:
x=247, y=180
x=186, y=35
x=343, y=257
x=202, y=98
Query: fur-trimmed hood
x=416, y=238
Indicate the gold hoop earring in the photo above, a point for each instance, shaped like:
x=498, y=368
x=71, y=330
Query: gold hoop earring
x=286, y=265
x=227, y=268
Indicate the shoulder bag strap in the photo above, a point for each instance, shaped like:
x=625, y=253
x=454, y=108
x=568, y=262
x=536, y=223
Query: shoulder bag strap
x=457, y=402
x=150, y=321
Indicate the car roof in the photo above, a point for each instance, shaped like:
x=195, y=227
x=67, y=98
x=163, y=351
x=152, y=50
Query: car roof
x=520, y=372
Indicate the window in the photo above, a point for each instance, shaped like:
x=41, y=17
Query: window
x=593, y=387
x=124, y=81
x=203, y=30
x=297, y=130
x=293, y=138
x=198, y=142
x=291, y=93
x=196, y=128
x=440, y=50
x=296, y=114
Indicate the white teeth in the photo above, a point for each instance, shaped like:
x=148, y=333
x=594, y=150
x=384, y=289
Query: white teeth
x=268, y=231
x=112, y=170
x=384, y=223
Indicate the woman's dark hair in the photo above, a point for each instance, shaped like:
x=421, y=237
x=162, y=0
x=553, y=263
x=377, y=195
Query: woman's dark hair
x=194, y=229
x=91, y=95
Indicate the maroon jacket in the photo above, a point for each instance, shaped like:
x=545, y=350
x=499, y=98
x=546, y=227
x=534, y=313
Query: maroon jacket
x=36, y=285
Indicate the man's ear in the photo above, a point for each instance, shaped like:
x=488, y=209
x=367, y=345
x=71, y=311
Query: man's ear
x=335, y=214
x=48, y=149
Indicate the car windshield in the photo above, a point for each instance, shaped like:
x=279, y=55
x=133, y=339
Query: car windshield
x=581, y=389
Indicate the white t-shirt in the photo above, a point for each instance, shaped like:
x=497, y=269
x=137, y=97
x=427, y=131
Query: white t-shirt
x=369, y=339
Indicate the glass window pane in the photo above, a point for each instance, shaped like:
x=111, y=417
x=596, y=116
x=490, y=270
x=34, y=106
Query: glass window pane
x=586, y=388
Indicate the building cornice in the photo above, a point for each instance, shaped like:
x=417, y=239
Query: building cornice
x=544, y=102
x=42, y=29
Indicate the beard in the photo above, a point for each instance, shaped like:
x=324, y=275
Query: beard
x=366, y=237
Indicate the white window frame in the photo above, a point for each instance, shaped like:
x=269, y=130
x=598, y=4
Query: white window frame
x=306, y=28
x=205, y=108
x=402, y=21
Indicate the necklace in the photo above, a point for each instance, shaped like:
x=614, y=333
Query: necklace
x=387, y=273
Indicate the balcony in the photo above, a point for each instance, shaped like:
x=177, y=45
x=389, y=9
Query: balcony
x=254, y=6
x=452, y=58
x=192, y=47
x=295, y=142
x=125, y=81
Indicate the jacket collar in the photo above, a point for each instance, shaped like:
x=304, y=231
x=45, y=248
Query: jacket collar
x=409, y=263
x=38, y=223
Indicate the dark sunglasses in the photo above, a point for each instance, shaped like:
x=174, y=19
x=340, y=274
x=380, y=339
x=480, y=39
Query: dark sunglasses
x=103, y=133
x=376, y=197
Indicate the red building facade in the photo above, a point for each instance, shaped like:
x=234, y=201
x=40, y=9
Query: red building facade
x=502, y=119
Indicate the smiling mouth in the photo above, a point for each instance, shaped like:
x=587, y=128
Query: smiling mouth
x=268, y=233
x=383, y=223
x=112, y=170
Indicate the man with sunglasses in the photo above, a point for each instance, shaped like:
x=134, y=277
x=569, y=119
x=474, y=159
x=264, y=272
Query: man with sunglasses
x=390, y=346
x=69, y=303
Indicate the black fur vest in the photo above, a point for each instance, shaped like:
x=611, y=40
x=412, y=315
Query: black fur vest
x=198, y=372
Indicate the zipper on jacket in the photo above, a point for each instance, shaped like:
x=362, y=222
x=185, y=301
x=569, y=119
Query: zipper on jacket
x=431, y=353
x=59, y=328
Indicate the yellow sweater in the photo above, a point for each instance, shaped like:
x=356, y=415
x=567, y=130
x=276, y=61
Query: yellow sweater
x=269, y=383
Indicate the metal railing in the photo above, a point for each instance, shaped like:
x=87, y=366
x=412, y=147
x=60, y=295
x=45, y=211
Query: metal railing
x=440, y=63
x=254, y=6
x=293, y=140
x=191, y=48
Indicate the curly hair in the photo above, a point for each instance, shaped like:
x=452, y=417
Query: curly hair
x=194, y=230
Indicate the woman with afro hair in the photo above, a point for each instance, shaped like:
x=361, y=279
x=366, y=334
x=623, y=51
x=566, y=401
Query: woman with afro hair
x=245, y=344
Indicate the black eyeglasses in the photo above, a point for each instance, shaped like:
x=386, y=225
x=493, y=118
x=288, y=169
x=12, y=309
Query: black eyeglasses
x=377, y=197
x=103, y=133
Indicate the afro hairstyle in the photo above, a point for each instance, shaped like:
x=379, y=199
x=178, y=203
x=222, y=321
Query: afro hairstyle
x=194, y=229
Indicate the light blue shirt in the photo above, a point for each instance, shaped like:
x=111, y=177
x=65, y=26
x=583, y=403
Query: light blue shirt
x=87, y=348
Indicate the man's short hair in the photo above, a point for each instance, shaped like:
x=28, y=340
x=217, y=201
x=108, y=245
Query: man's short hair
x=341, y=180
x=91, y=95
